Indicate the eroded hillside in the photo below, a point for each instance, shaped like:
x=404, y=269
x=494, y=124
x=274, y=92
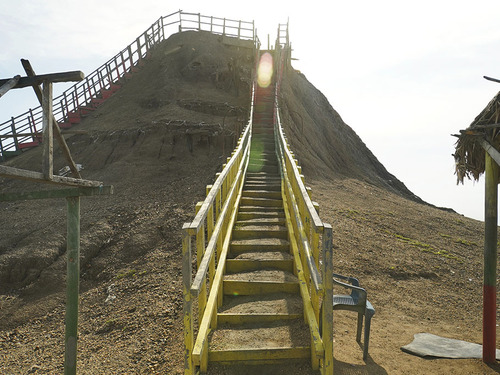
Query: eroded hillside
x=160, y=140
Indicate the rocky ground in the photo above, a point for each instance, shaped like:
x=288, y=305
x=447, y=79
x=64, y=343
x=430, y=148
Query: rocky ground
x=159, y=141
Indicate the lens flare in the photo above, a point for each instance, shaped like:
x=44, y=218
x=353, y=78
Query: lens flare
x=265, y=70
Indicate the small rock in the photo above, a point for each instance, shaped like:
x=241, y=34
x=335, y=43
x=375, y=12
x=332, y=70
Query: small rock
x=34, y=369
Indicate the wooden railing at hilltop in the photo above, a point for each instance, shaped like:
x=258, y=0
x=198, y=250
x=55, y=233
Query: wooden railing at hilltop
x=24, y=131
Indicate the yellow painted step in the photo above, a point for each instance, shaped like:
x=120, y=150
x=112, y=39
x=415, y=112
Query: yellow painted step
x=279, y=220
x=262, y=193
x=259, y=231
x=256, y=244
x=246, y=288
x=252, y=201
x=278, y=303
x=250, y=215
x=242, y=265
x=287, y=339
x=253, y=356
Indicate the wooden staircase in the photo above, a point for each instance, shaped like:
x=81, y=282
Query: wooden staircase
x=261, y=319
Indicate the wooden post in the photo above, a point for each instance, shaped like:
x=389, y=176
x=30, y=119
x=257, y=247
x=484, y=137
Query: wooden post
x=490, y=259
x=327, y=328
x=188, y=309
x=14, y=135
x=2, y=158
x=139, y=49
x=72, y=283
x=48, y=139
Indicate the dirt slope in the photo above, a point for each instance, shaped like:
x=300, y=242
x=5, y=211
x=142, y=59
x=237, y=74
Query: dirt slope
x=159, y=141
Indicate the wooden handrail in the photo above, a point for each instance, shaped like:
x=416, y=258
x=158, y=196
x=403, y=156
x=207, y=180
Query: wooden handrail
x=111, y=72
x=207, y=203
x=212, y=244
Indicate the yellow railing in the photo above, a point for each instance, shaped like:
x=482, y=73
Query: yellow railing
x=310, y=239
x=210, y=230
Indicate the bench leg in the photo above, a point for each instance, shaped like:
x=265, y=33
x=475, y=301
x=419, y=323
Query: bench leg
x=360, y=327
x=368, y=320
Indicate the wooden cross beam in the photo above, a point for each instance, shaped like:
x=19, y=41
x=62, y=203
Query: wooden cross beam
x=56, y=130
x=73, y=76
x=9, y=84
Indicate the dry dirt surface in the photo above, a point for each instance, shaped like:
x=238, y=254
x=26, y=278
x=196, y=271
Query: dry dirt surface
x=159, y=141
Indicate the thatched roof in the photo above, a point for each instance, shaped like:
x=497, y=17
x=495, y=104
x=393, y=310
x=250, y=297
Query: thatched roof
x=469, y=154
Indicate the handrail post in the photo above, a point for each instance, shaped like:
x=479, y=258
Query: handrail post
x=188, y=305
x=13, y=128
x=327, y=317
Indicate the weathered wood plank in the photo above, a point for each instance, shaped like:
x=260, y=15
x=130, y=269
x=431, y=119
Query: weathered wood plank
x=8, y=85
x=58, y=193
x=23, y=174
x=73, y=76
x=57, y=131
x=48, y=139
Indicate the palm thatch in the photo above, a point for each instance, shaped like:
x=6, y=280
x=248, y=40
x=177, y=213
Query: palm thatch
x=469, y=154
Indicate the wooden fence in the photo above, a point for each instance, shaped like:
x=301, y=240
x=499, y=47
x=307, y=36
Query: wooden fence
x=24, y=131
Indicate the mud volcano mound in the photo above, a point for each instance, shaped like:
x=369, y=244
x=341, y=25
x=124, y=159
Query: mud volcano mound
x=160, y=140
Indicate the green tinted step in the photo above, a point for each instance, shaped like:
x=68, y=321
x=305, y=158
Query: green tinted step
x=256, y=167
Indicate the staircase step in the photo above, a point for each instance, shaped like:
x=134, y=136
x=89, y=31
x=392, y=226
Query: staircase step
x=261, y=193
x=259, y=244
x=253, y=356
x=262, y=255
x=279, y=303
x=261, y=202
x=245, y=288
x=263, y=186
x=277, y=220
x=249, y=215
x=238, y=319
x=259, y=231
x=280, y=340
x=251, y=208
x=244, y=265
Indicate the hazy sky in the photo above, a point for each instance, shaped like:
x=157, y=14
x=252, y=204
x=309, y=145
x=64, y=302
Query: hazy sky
x=404, y=75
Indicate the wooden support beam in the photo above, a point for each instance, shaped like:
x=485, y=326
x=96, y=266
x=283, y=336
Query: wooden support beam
x=48, y=139
x=490, y=259
x=58, y=193
x=492, y=151
x=23, y=174
x=73, y=76
x=8, y=85
x=57, y=131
